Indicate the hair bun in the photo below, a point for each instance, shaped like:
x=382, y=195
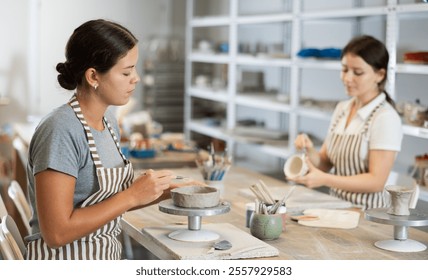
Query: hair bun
x=66, y=77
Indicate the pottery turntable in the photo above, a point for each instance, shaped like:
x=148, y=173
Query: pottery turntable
x=194, y=232
x=400, y=243
x=194, y=202
x=401, y=217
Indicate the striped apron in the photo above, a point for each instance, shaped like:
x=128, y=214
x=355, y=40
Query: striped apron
x=103, y=244
x=344, y=152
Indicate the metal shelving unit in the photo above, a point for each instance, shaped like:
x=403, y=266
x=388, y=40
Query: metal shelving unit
x=164, y=98
x=293, y=18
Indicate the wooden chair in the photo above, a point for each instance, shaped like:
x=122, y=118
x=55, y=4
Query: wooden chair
x=21, y=149
x=3, y=210
x=4, y=245
x=7, y=157
x=5, y=249
x=12, y=243
x=16, y=193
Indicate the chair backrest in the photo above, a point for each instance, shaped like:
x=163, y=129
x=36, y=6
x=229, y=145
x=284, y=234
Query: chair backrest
x=5, y=250
x=11, y=233
x=21, y=149
x=7, y=159
x=399, y=179
x=16, y=193
x=3, y=210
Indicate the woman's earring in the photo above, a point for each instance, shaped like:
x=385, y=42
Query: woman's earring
x=95, y=86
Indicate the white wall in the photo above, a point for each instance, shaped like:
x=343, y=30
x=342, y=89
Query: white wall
x=53, y=22
x=60, y=18
x=14, y=27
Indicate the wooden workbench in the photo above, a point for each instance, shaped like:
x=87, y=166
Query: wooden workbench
x=296, y=242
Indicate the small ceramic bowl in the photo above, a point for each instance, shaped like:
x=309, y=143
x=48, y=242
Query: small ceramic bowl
x=195, y=197
x=266, y=227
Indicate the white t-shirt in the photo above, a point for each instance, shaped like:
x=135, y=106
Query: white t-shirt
x=385, y=131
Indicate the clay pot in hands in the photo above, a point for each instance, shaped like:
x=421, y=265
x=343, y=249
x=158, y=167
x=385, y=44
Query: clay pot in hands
x=296, y=166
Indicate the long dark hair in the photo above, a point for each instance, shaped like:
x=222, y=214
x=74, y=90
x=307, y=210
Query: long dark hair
x=374, y=53
x=96, y=43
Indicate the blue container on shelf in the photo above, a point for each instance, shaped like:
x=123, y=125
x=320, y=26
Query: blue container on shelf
x=125, y=151
x=149, y=153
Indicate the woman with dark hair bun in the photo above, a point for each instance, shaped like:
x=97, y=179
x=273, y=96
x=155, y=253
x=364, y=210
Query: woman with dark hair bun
x=98, y=44
x=80, y=183
x=365, y=131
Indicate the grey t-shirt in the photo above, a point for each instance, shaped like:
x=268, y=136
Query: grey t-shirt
x=60, y=143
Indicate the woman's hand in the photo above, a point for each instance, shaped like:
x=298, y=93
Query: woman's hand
x=302, y=142
x=149, y=186
x=312, y=179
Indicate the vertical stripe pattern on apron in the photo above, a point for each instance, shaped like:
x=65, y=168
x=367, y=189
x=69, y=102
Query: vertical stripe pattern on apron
x=344, y=152
x=103, y=244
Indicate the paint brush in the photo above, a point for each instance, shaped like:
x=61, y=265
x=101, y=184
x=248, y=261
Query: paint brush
x=265, y=189
x=278, y=204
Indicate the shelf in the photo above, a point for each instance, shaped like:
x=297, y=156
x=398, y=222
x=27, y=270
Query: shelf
x=268, y=141
x=412, y=8
x=315, y=113
x=262, y=60
x=209, y=58
x=407, y=68
x=345, y=13
x=264, y=18
x=210, y=21
x=313, y=63
x=219, y=96
x=212, y=131
x=415, y=131
x=280, y=151
x=274, y=147
x=262, y=102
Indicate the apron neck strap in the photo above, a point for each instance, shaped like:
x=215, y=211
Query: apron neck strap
x=74, y=103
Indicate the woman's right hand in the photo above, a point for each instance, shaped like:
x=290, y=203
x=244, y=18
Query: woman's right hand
x=150, y=185
x=302, y=142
